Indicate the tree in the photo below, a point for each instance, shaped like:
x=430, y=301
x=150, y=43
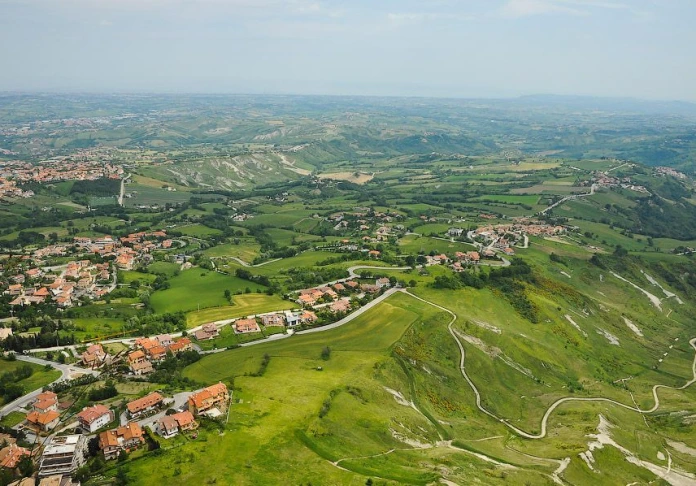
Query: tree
x=228, y=295
x=122, y=457
x=411, y=261
x=326, y=353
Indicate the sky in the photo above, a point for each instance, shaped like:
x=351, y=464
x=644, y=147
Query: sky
x=444, y=48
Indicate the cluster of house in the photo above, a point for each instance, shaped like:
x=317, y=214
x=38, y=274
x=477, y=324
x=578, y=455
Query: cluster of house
x=603, y=179
x=465, y=258
x=333, y=293
x=128, y=250
x=276, y=319
x=66, y=284
x=60, y=169
x=504, y=236
x=9, y=189
x=77, y=279
x=668, y=171
x=152, y=350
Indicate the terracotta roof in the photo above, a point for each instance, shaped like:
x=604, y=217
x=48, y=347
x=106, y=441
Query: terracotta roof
x=42, y=418
x=90, y=414
x=11, y=455
x=145, y=402
x=110, y=438
x=183, y=418
x=212, y=391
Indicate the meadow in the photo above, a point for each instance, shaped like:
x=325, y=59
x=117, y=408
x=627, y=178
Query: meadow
x=198, y=289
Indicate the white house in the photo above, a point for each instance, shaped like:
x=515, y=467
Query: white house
x=292, y=319
x=94, y=418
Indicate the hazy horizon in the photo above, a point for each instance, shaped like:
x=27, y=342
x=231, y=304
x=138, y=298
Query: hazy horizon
x=411, y=48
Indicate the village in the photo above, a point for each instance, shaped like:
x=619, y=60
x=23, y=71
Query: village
x=69, y=438
x=29, y=282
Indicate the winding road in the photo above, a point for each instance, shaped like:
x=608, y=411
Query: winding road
x=67, y=371
x=557, y=403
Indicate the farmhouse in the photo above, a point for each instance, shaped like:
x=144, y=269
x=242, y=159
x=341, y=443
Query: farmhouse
x=94, y=418
x=208, y=398
x=125, y=438
x=138, y=407
x=242, y=326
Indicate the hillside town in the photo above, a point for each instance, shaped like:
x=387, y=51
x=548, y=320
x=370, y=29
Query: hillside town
x=29, y=281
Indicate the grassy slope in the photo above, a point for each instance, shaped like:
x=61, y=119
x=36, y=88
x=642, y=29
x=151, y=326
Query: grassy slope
x=275, y=423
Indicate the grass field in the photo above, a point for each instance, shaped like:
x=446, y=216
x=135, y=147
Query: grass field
x=91, y=328
x=198, y=288
x=198, y=230
x=247, y=250
x=414, y=244
x=38, y=379
x=244, y=305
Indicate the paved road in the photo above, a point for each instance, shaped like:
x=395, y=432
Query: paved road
x=67, y=371
x=328, y=327
x=557, y=403
x=123, y=190
x=569, y=198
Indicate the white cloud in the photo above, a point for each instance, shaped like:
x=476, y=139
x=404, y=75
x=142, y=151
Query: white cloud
x=527, y=8
x=409, y=18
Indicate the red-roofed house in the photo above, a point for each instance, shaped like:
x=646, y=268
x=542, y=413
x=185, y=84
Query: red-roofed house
x=94, y=418
x=208, y=398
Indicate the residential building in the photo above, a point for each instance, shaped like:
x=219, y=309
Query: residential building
x=167, y=427
x=164, y=340
x=141, y=368
x=242, y=326
x=157, y=353
x=185, y=420
x=292, y=319
x=11, y=456
x=94, y=356
x=209, y=331
x=125, y=438
x=183, y=344
x=340, y=306
x=308, y=317
x=138, y=407
x=273, y=320
x=43, y=421
x=46, y=401
x=63, y=455
x=94, y=418
x=383, y=282
x=5, y=332
x=208, y=398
